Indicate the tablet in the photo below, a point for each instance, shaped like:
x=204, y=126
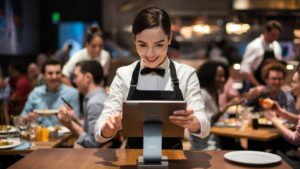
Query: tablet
x=135, y=113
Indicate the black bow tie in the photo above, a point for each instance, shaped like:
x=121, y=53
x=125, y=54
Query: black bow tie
x=158, y=71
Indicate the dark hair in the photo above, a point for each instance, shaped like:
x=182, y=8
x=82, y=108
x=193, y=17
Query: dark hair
x=272, y=24
x=149, y=18
x=69, y=46
x=93, y=67
x=19, y=67
x=273, y=66
x=50, y=62
x=207, y=73
x=92, y=32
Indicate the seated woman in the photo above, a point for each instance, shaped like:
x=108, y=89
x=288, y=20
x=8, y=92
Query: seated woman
x=212, y=76
x=292, y=137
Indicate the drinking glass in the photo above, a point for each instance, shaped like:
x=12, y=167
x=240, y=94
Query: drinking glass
x=32, y=129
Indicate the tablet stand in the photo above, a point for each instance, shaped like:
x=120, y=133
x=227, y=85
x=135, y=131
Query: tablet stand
x=152, y=157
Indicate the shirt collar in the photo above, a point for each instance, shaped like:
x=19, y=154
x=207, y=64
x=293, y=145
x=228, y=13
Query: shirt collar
x=265, y=44
x=94, y=92
x=58, y=89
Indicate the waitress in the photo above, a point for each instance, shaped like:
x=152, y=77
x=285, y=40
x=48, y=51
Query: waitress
x=154, y=77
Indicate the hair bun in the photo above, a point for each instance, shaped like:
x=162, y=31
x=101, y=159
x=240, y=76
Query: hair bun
x=94, y=29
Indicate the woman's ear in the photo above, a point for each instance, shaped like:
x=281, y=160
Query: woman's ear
x=170, y=38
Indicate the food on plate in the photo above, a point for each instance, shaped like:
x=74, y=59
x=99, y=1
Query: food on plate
x=5, y=142
x=266, y=103
x=264, y=121
x=234, y=109
x=231, y=122
x=46, y=111
x=5, y=127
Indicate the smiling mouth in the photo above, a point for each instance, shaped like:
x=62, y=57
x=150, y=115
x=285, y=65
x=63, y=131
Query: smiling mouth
x=151, y=59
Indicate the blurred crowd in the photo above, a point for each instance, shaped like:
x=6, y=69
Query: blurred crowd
x=226, y=79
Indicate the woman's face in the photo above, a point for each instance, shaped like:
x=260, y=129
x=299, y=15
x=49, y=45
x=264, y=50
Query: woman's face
x=220, y=78
x=94, y=47
x=295, y=85
x=152, y=46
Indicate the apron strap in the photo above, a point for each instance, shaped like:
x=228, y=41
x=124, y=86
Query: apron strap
x=175, y=81
x=135, y=75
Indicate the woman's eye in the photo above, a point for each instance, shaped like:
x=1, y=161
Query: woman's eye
x=159, y=45
x=142, y=45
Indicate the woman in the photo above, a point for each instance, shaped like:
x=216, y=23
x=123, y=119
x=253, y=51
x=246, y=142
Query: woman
x=152, y=35
x=291, y=136
x=92, y=51
x=212, y=76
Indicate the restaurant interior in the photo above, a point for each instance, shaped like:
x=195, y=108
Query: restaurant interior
x=252, y=123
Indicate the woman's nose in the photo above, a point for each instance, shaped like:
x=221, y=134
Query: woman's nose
x=150, y=52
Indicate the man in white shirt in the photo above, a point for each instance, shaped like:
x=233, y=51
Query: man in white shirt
x=260, y=51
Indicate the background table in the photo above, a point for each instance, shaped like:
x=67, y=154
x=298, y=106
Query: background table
x=260, y=134
x=125, y=159
x=37, y=145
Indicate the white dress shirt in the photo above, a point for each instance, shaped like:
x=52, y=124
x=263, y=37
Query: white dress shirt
x=254, y=53
x=103, y=59
x=188, y=84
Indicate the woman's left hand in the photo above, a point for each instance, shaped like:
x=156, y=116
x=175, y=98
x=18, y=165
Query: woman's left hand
x=184, y=118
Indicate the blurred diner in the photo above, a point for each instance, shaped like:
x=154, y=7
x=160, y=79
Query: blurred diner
x=20, y=87
x=212, y=76
x=88, y=76
x=292, y=136
x=273, y=75
x=49, y=96
x=93, y=50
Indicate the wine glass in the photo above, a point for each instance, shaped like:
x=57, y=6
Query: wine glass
x=244, y=116
x=32, y=129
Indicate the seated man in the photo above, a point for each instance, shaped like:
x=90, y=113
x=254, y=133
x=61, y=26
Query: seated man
x=88, y=76
x=273, y=75
x=48, y=96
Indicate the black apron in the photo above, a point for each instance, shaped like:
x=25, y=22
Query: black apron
x=268, y=56
x=135, y=94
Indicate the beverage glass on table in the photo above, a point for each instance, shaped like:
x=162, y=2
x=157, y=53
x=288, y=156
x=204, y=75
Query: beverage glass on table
x=32, y=129
x=21, y=123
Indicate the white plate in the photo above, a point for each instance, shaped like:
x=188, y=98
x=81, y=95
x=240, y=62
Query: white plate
x=252, y=157
x=46, y=111
x=12, y=129
x=14, y=143
x=63, y=130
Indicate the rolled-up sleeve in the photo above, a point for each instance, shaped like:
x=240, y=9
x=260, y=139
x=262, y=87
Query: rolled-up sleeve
x=250, y=59
x=113, y=104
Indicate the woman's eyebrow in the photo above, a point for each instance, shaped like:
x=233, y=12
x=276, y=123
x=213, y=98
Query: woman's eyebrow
x=140, y=41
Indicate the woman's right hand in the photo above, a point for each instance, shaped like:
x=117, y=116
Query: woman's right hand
x=112, y=125
x=279, y=110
